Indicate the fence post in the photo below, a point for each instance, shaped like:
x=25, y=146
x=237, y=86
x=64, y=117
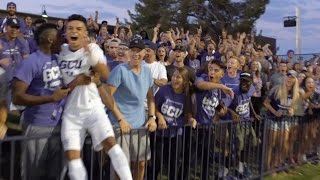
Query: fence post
x=264, y=145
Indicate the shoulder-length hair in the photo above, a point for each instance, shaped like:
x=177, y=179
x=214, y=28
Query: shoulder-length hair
x=282, y=93
x=187, y=86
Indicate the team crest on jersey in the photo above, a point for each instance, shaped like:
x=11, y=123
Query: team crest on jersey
x=209, y=58
x=172, y=110
x=243, y=107
x=51, y=76
x=209, y=103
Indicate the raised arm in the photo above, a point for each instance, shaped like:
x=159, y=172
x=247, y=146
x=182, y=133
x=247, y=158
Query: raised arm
x=240, y=44
x=129, y=34
x=155, y=33
x=96, y=17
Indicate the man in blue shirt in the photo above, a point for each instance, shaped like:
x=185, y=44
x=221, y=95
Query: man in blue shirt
x=130, y=83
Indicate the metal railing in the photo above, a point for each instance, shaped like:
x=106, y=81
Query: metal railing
x=303, y=57
x=225, y=149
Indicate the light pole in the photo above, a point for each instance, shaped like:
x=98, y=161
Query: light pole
x=295, y=21
x=298, y=30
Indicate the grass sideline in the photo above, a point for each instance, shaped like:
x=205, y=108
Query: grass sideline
x=304, y=172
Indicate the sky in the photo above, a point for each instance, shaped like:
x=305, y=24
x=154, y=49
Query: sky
x=271, y=22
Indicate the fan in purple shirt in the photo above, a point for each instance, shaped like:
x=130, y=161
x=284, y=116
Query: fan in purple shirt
x=12, y=10
x=242, y=99
x=172, y=103
x=210, y=101
x=28, y=34
x=12, y=50
x=37, y=86
x=231, y=77
x=240, y=110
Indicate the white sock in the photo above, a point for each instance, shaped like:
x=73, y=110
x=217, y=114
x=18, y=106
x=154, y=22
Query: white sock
x=77, y=171
x=240, y=168
x=120, y=162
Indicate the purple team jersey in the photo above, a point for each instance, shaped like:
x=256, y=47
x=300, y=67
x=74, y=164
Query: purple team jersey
x=14, y=50
x=171, y=106
x=241, y=103
x=29, y=36
x=41, y=72
x=232, y=83
x=207, y=102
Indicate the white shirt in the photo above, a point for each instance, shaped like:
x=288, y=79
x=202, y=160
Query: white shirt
x=158, y=71
x=83, y=99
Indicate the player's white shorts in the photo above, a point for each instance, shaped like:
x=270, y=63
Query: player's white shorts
x=74, y=128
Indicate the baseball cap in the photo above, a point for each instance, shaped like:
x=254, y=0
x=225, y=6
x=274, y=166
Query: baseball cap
x=292, y=73
x=104, y=22
x=114, y=40
x=11, y=4
x=246, y=76
x=179, y=47
x=150, y=45
x=13, y=22
x=136, y=43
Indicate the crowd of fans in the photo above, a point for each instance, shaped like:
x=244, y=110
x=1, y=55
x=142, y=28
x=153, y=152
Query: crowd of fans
x=172, y=80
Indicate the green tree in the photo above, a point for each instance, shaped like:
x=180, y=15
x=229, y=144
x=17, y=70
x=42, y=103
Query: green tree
x=213, y=15
x=150, y=12
x=235, y=16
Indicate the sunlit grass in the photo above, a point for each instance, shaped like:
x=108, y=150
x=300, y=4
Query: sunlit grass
x=305, y=172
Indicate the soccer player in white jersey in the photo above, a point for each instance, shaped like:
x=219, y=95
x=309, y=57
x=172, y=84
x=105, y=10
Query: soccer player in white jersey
x=84, y=109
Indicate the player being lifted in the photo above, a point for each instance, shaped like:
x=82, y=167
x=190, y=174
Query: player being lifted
x=84, y=109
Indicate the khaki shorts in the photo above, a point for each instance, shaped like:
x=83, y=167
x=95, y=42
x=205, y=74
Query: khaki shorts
x=135, y=145
x=245, y=132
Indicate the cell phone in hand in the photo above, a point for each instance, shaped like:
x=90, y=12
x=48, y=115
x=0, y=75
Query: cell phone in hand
x=64, y=87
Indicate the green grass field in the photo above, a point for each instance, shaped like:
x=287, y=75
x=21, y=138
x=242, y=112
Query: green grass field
x=305, y=172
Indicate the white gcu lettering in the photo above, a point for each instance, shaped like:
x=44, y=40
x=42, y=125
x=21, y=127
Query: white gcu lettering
x=209, y=58
x=75, y=64
x=243, y=108
x=51, y=77
x=210, y=103
x=171, y=111
x=51, y=74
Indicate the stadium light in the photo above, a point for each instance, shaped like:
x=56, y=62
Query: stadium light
x=44, y=12
x=290, y=21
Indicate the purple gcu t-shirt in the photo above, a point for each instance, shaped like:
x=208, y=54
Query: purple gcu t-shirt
x=171, y=106
x=207, y=102
x=232, y=83
x=14, y=50
x=41, y=72
x=241, y=103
